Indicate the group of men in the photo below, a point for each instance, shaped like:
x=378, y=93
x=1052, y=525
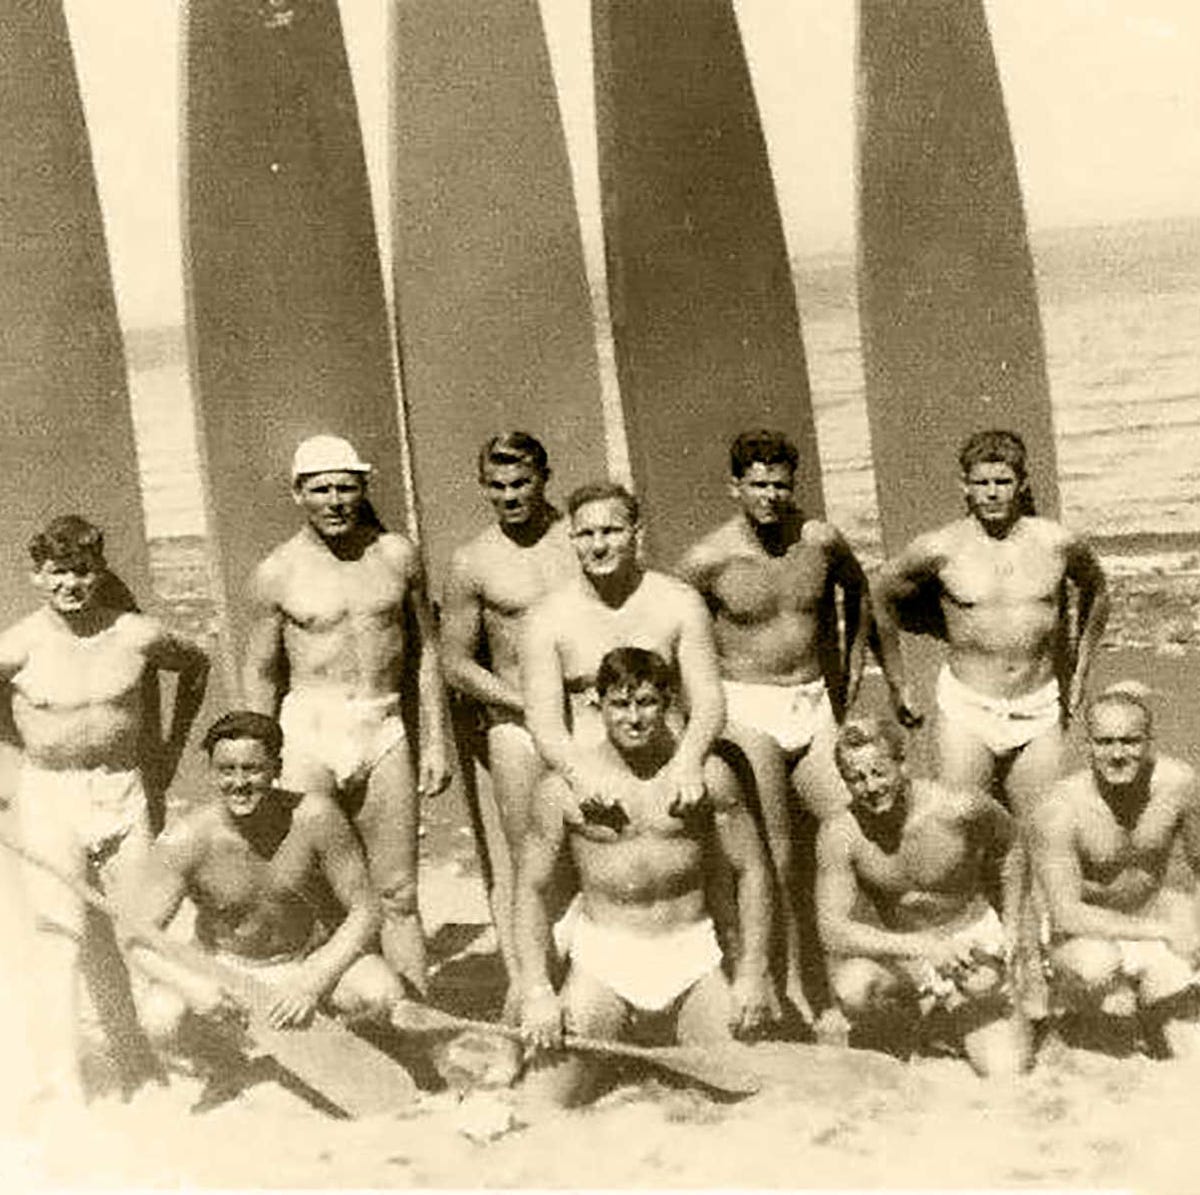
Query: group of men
x=662, y=749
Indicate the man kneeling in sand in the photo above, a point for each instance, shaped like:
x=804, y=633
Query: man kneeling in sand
x=643, y=949
x=280, y=888
x=1124, y=941
x=924, y=857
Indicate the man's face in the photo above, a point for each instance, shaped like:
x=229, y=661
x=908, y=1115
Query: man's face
x=992, y=490
x=1119, y=738
x=331, y=501
x=765, y=493
x=244, y=771
x=633, y=715
x=604, y=536
x=874, y=777
x=516, y=491
x=69, y=586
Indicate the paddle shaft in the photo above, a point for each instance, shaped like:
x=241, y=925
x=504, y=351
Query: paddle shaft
x=695, y=1062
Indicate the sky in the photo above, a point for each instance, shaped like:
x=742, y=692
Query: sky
x=1103, y=99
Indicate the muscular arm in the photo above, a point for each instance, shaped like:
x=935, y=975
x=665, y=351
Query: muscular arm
x=900, y=581
x=462, y=631
x=540, y=850
x=836, y=892
x=1084, y=572
x=264, y=672
x=542, y=687
x=434, y=773
x=345, y=870
x=847, y=573
x=172, y=653
x=700, y=679
x=1058, y=868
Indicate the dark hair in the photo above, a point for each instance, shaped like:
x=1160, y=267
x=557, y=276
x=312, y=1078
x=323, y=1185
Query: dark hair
x=1129, y=694
x=865, y=731
x=627, y=667
x=603, y=491
x=762, y=447
x=70, y=540
x=514, y=448
x=244, y=724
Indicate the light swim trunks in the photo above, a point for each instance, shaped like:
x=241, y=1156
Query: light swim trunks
x=1003, y=724
x=649, y=971
x=346, y=736
x=790, y=714
x=939, y=987
x=77, y=819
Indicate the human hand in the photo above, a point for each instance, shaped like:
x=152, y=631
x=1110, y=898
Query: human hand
x=685, y=777
x=754, y=1003
x=541, y=1019
x=435, y=771
x=295, y=1002
x=947, y=953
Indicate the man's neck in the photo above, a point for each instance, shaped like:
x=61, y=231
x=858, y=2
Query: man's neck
x=886, y=829
x=646, y=762
x=1127, y=802
x=83, y=624
x=267, y=825
x=615, y=590
x=530, y=532
x=776, y=538
x=349, y=546
x=998, y=531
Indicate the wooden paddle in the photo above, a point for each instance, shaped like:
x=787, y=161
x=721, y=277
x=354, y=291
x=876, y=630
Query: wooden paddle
x=722, y=1067
x=344, y=1069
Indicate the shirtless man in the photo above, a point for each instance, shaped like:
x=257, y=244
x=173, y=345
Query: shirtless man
x=78, y=668
x=1000, y=576
x=642, y=946
x=1124, y=940
x=493, y=582
x=768, y=576
x=924, y=857
x=280, y=887
x=615, y=603
x=339, y=608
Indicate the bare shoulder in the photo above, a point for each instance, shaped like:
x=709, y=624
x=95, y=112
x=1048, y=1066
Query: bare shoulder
x=837, y=839
x=819, y=534
x=140, y=631
x=18, y=640
x=665, y=588
x=270, y=576
x=708, y=553
x=1071, y=800
x=1174, y=777
x=721, y=785
x=929, y=552
x=186, y=838
x=398, y=550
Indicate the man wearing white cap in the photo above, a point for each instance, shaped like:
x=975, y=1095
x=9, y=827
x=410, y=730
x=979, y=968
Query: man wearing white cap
x=338, y=608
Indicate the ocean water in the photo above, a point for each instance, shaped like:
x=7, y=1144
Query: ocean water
x=1121, y=314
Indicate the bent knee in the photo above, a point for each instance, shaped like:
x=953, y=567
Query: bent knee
x=861, y=986
x=369, y=989
x=1088, y=963
x=161, y=1013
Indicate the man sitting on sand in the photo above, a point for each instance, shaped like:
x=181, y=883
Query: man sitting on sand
x=78, y=669
x=1124, y=939
x=616, y=602
x=924, y=857
x=642, y=946
x=280, y=888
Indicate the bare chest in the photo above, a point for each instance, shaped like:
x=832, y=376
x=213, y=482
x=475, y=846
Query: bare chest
x=1106, y=848
x=71, y=673
x=234, y=879
x=752, y=589
x=598, y=629
x=345, y=592
x=933, y=856
x=1002, y=574
x=516, y=578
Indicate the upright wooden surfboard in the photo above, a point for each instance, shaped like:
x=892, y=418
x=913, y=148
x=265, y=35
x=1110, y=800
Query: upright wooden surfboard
x=287, y=315
x=66, y=432
x=704, y=312
x=952, y=339
x=494, y=318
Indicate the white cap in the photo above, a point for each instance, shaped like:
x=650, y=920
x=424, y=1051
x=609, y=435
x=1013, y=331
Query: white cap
x=326, y=454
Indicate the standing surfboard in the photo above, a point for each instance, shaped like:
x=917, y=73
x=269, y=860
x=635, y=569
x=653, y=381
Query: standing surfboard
x=952, y=339
x=704, y=311
x=66, y=432
x=494, y=318
x=286, y=311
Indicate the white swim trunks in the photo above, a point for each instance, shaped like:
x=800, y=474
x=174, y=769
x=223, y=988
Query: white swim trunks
x=790, y=714
x=347, y=736
x=76, y=819
x=650, y=971
x=1138, y=956
x=1003, y=724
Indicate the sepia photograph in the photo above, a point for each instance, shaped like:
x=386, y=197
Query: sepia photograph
x=600, y=594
